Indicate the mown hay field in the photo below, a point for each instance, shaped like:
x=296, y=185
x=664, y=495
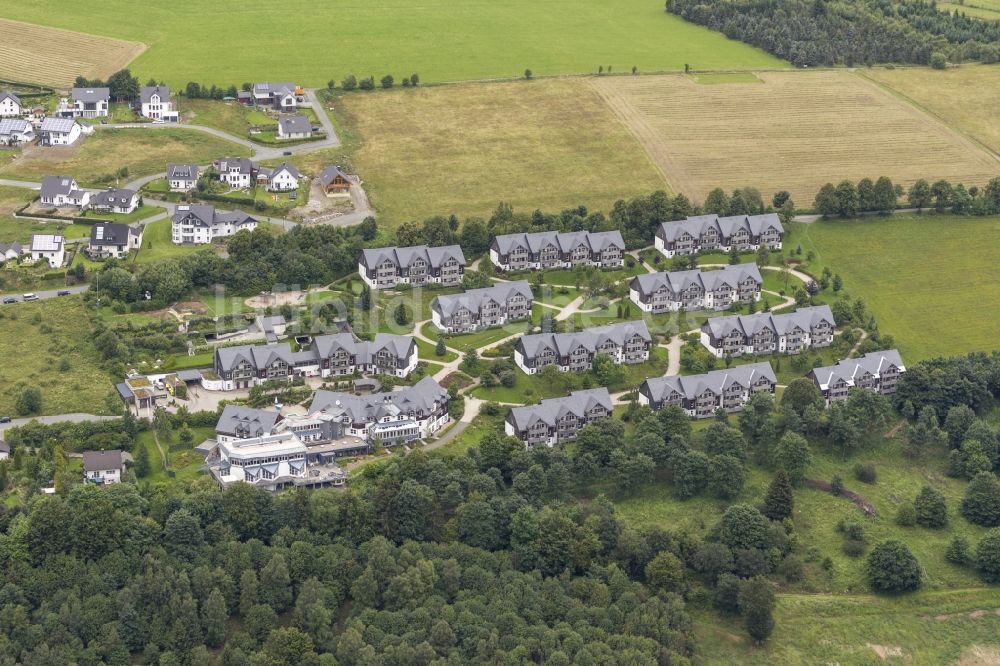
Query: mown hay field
x=311, y=42
x=795, y=132
x=966, y=97
x=54, y=57
x=463, y=149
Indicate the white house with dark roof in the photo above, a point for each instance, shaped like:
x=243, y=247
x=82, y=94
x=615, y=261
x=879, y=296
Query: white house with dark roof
x=335, y=355
x=558, y=420
x=115, y=200
x=701, y=395
x=10, y=104
x=199, y=224
x=769, y=333
x=711, y=232
x=387, y=267
x=59, y=131
x=294, y=126
x=86, y=103
x=109, y=239
x=482, y=308
x=154, y=103
x=16, y=132
x=878, y=372
x=554, y=249
x=63, y=191
x=279, y=96
x=237, y=172
x=236, y=423
x=103, y=467
x=697, y=289
x=282, y=178
x=11, y=251
x=182, y=177
x=50, y=247
x=625, y=342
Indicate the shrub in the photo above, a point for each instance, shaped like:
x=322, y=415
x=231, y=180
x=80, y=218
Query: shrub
x=906, y=516
x=988, y=557
x=893, y=568
x=727, y=591
x=28, y=401
x=959, y=551
x=865, y=472
x=854, y=548
x=350, y=82
x=792, y=569
x=930, y=508
x=981, y=504
x=855, y=531
x=837, y=485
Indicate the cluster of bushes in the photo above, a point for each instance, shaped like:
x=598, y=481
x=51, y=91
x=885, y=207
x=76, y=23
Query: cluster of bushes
x=351, y=82
x=865, y=32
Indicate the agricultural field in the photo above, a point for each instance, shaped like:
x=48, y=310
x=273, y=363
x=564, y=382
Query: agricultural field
x=311, y=42
x=966, y=97
x=926, y=278
x=94, y=160
x=971, y=10
x=38, y=54
x=795, y=132
x=55, y=351
x=463, y=149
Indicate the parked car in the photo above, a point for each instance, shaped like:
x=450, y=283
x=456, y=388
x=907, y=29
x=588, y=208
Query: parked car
x=287, y=152
x=4, y=419
x=62, y=292
x=30, y=297
x=10, y=299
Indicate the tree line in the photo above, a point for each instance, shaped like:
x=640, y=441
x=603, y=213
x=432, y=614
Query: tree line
x=881, y=196
x=810, y=33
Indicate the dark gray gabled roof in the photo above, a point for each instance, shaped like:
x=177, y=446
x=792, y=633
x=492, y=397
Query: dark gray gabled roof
x=239, y=164
x=473, y=299
x=677, y=281
x=596, y=241
x=146, y=92
x=91, y=94
x=421, y=397
x=403, y=257
x=182, y=172
x=284, y=166
x=246, y=422
x=99, y=461
x=716, y=381
x=294, y=124
x=113, y=197
x=779, y=324
x=727, y=226
x=851, y=369
x=272, y=89
x=56, y=185
x=208, y=216
x=110, y=233
x=7, y=94
x=328, y=174
x=550, y=411
x=590, y=339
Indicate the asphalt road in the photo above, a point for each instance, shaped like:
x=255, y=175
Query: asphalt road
x=49, y=293
x=57, y=418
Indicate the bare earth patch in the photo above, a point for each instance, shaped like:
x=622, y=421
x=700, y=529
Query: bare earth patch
x=884, y=652
x=51, y=56
x=796, y=131
x=980, y=655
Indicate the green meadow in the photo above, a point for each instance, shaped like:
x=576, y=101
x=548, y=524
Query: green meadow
x=929, y=279
x=310, y=42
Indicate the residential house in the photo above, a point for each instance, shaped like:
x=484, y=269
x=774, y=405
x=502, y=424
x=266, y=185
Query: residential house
x=282, y=178
x=552, y=249
x=108, y=239
x=482, y=308
x=10, y=104
x=769, y=333
x=199, y=224
x=711, y=232
x=63, y=191
x=877, y=371
x=416, y=266
x=272, y=461
x=154, y=102
x=696, y=290
x=86, y=103
x=294, y=127
x=182, y=177
x=334, y=181
x=280, y=96
x=625, y=342
x=329, y=356
x=59, y=131
x=115, y=200
x=236, y=423
x=50, y=247
x=701, y=395
x=4, y=450
x=558, y=420
x=409, y=413
x=11, y=251
x=16, y=132
x=102, y=467
x=273, y=326
x=237, y=172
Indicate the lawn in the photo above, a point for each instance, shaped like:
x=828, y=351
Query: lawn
x=186, y=464
x=795, y=131
x=425, y=350
x=37, y=338
x=226, y=116
x=310, y=43
x=961, y=96
x=140, y=213
x=469, y=438
x=157, y=245
x=467, y=341
x=546, y=145
x=898, y=265
x=95, y=159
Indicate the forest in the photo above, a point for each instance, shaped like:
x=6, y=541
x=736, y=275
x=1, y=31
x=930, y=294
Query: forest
x=812, y=33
